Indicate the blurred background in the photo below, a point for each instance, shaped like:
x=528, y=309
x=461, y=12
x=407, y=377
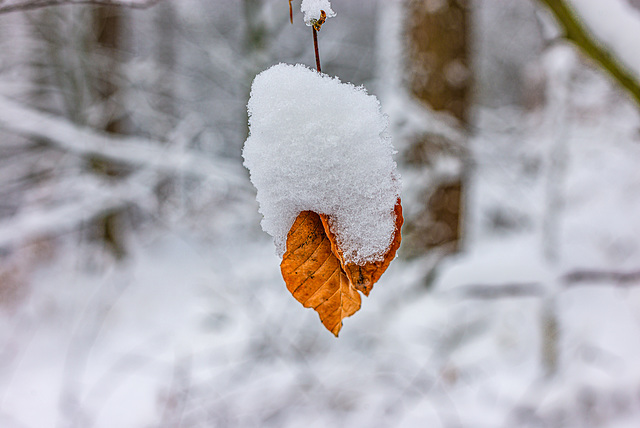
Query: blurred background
x=138, y=290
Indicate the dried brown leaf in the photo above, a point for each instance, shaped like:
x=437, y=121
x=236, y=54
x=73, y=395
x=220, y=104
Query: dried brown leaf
x=314, y=275
x=314, y=270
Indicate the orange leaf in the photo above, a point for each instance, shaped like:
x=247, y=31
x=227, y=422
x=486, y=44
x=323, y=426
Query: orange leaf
x=363, y=277
x=314, y=270
x=314, y=275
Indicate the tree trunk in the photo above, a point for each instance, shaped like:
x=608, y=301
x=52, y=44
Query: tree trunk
x=107, y=27
x=438, y=53
x=438, y=64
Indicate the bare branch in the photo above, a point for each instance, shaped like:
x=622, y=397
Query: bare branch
x=38, y=4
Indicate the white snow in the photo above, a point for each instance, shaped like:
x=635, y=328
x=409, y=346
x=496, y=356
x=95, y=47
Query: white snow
x=321, y=145
x=311, y=10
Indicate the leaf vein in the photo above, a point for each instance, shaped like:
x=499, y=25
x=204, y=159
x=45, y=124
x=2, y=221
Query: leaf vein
x=316, y=271
x=293, y=232
x=320, y=288
x=313, y=252
x=329, y=298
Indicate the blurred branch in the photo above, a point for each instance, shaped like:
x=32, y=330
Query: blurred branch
x=595, y=277
x=37, y=4
x=498, y=291
x=578, y=34
x=96, y=197
x=129, y=150
x=577, y=278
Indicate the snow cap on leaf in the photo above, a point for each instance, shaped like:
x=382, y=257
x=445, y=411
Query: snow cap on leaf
x=321, y=145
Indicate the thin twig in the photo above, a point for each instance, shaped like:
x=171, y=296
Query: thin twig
x=290, y=12
x=315, y=45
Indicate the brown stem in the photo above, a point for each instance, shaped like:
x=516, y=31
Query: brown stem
x=290, y=12
x=315, y=45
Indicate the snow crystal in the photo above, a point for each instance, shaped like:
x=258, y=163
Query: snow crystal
x=311, y=10
x=321, y=145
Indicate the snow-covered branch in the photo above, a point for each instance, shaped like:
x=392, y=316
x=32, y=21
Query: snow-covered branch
x=15, y=6
x=96, y=197
x=129, y=150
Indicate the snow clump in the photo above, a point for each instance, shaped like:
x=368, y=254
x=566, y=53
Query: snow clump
x=311, y=10
x=321, y=145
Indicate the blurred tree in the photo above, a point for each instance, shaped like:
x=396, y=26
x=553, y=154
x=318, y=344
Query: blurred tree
x=107, y=26
x=438, y=54
x=78, y=73
x=438, y=64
